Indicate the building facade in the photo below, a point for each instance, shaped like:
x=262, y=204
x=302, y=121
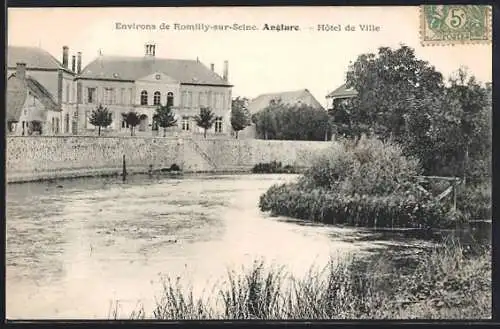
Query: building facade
x=141, y=84
x=340, y=95
x=54, y=76
x=31, y=109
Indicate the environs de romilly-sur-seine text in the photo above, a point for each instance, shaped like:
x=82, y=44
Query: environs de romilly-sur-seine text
x=203, y=27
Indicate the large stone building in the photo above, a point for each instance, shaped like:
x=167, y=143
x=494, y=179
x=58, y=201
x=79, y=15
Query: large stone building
x=141, y=84
x=124, y=84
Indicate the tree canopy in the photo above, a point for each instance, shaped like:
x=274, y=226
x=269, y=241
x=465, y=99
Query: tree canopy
x=205, y=119
x=164, y=117
x=101, y=117
x=405, y=99
x=132, y=119
x=292, y=122
x=240, y=116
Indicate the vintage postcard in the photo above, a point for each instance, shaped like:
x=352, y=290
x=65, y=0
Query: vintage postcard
x=249, y=163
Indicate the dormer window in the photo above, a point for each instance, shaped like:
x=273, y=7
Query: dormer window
x=158, y=77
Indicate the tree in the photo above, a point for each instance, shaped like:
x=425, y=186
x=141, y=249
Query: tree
x=101, y=117
x=292, y=122
x=132, y=119
x=462, y=128
x=165, y=118
x=386, y=82
x=240, y=116
x=205, y=119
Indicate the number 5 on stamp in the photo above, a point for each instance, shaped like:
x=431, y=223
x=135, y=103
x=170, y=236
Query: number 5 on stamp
x=455, y=24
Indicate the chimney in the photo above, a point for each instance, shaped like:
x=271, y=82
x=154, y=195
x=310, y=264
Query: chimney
x=225, y=75
x=212, y=67
x=78, y=62
x=65, y=57
x=150, y=49
x=21, y=70
x=73, y=63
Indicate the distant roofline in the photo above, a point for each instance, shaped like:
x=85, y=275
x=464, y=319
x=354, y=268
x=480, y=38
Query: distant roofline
x=282, y=92
x=128, y=80
x=44, y=69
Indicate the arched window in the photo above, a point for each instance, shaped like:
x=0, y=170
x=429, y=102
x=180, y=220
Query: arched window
x=156, y=98
x=144, y=97
x=170, y=99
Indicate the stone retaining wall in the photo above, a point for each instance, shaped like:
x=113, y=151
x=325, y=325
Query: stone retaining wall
x=43, y=157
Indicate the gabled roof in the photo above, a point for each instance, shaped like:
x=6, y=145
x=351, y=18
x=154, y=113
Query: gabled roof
x=17, y=92
x=33, y=57
x=302, y=96
x=134, y=68
x=342, y=92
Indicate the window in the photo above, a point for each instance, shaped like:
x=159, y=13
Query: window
x=66, y=125
x=189, y=99
x=67, y=93
x=201, y=102
x=144, y=97
x=170, y=99
x=123, y=99
x=218, y=125
x=185, y=123
x=109, y=96
x=130, y=96
x=209, y=99
x=158, y=76
x=156, y=98
x=91, y=95
x=184, y=99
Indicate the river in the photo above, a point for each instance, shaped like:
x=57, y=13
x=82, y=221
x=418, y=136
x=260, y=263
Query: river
x=75, y=247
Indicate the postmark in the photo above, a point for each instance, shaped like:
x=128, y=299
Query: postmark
x=455, y=24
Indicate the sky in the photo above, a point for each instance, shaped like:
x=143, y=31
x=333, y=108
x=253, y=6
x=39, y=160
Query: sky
x=260, y=61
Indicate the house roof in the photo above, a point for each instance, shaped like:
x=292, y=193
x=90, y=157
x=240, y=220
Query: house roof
x=33, y=57
x=134, y=68
x=17, y=92
x=302, y=96
x=342, y=92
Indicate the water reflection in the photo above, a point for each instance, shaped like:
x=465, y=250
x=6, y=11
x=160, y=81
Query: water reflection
x=99, y=240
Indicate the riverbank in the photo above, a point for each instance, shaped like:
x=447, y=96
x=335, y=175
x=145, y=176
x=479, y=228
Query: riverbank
x=449, y=281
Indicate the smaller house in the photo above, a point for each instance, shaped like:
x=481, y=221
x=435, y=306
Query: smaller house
x=296, y=97
x=31, y=109
x=339, y=95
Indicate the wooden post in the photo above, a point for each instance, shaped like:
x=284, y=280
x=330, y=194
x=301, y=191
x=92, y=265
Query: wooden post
x=454, y=195
x=124, y=169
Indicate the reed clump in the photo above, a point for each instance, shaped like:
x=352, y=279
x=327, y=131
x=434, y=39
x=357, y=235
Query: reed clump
x=446, y=282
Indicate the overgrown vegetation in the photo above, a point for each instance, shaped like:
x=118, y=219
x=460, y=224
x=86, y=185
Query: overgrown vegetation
x=447, y=125
x=273, y=167
x=366, y=183
x=443, y=283
x=292, y=122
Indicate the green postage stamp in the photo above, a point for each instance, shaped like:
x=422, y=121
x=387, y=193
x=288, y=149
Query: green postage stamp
x=455, y=24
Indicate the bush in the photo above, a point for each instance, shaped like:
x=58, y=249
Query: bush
x=273, y=167
x=475, y=201
x=175, y=167
x=369, y=166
